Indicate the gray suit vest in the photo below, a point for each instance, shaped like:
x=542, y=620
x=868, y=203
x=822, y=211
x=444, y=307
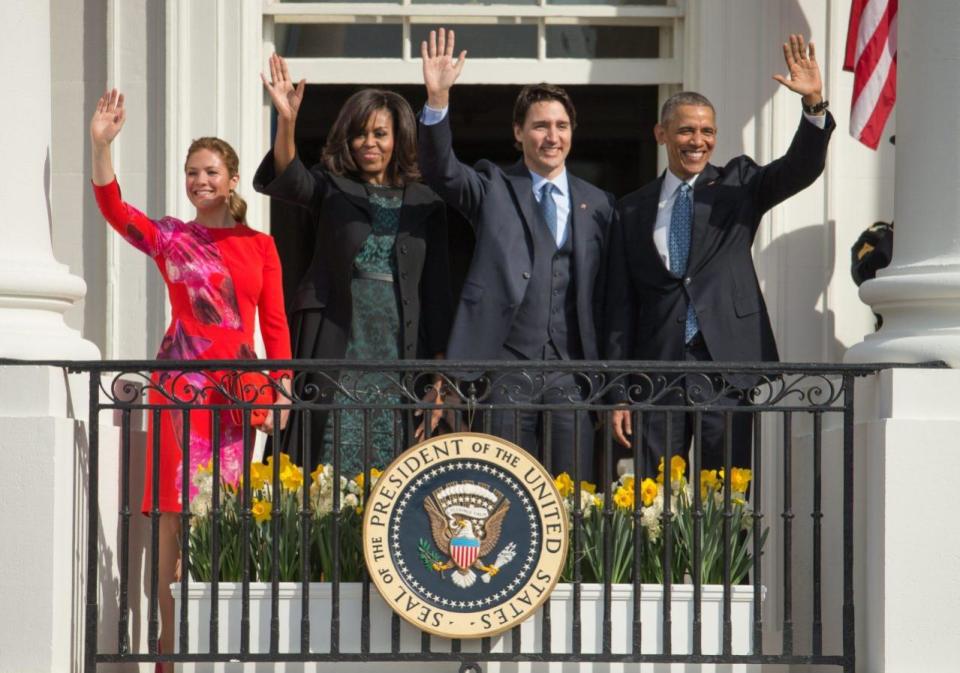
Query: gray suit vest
x=548, y=313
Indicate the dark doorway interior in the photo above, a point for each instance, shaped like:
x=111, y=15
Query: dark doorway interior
x=613, y=148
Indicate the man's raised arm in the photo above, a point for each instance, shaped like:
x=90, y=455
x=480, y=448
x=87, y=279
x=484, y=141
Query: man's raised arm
x=458, y=184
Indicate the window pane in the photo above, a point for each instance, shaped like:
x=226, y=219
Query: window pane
x=358, y=2
x=476, y=2
x=608, y=2
x=603, y=42
x=486, y=41
x=355, y=40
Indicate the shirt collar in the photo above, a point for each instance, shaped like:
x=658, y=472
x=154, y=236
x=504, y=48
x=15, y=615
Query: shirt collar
x=671, y=182
x=560, y=182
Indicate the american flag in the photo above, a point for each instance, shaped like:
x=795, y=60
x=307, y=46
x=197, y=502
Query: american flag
x=872, y=58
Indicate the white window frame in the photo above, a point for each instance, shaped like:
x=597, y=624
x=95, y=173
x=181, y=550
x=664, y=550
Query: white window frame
x=664, y=70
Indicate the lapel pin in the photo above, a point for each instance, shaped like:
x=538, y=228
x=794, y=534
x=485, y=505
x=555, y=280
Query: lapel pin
x=583, y=206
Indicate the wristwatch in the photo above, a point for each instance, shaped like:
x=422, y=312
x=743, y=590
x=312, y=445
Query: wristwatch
x=815, y=109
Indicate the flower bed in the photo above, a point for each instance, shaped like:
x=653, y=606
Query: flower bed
x=284, y=505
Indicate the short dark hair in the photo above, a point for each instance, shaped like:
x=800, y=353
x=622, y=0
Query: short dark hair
x=537, y=93
x=351, y=122
x=683, y=98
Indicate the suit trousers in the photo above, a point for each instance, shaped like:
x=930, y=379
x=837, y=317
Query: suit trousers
x=713, y=424
x=554, y=437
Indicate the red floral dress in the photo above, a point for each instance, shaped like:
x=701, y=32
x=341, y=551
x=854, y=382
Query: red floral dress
x=216, y=280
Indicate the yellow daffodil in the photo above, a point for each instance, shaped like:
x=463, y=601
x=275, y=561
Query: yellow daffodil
x=623, y=498
x=740, y=479
x=374, y=474
x=678, y=467
x=709, y=482
x=261, y=510
x=260, y=475
x=206, y=467
x=291, y=477
x=315, y=475
x=564, y=484
x=648, y=491
x=588, y=487
x=628, y=482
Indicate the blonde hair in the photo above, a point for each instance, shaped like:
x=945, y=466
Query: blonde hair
x=236, y=204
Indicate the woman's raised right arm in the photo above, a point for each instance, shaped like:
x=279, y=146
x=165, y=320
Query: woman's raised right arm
x=281, y=174
x=107, y=121
x=134, y=226
x=286, y=100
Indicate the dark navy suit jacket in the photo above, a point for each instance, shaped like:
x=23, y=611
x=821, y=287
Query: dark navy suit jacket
x=646, y=304
x=502, y=210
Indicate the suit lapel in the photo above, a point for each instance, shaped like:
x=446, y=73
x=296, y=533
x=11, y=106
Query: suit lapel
x=522, y=185
x=582, y=227
x=649, y=208
x=702, y=207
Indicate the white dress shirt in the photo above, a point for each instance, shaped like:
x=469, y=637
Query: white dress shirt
x=561, y=197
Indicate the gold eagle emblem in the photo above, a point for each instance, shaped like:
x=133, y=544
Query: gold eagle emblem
x=466, y=519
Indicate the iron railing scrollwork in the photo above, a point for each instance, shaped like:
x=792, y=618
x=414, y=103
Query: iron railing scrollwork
x=777, y=396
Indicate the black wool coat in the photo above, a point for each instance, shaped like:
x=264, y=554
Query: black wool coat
x=343, y=219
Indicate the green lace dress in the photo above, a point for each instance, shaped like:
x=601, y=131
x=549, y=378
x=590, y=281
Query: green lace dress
x=374, y=335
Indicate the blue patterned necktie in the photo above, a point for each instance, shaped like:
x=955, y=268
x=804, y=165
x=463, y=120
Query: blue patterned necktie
x=549, y=208
x=678, y=243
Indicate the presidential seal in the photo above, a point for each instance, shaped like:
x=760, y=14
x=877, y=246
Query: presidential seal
x=465, y=535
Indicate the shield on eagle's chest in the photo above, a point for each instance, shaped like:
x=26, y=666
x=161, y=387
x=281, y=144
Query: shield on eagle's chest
x=464, y=551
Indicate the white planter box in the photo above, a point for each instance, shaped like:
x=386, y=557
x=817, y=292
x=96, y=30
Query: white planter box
x=561, y=615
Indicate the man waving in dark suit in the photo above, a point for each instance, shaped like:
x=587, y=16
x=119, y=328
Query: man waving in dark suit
x=531, y=290
x=682, y=284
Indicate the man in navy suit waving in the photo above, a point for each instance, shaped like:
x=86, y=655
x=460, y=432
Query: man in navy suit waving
x=681, y=280
x=532, y=288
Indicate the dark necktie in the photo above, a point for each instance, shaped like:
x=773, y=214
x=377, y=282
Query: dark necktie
x=678, y=243
x=549, y=208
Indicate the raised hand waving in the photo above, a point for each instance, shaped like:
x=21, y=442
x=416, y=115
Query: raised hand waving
x=285, y=96
x=108, y=118
x=440, y=70
x=804, y=72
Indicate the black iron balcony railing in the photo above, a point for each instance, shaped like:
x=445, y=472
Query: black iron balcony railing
x=798, y=413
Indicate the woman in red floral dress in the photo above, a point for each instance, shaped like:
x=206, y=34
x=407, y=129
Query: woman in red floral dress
x=219, y=273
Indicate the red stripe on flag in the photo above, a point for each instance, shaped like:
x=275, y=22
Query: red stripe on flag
x=879, y=50
x=873, y=49
x=873, y=130
x=856, y=10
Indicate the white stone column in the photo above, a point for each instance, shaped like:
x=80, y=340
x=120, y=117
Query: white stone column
x=907, y=431
x=918, y=295
x=35, y=289
x=41, y=408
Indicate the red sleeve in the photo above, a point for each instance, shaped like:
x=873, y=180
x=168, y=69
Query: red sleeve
x=138, y=229
x=273, y=317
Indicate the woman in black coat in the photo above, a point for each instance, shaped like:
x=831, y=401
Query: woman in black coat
x=378, y=285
